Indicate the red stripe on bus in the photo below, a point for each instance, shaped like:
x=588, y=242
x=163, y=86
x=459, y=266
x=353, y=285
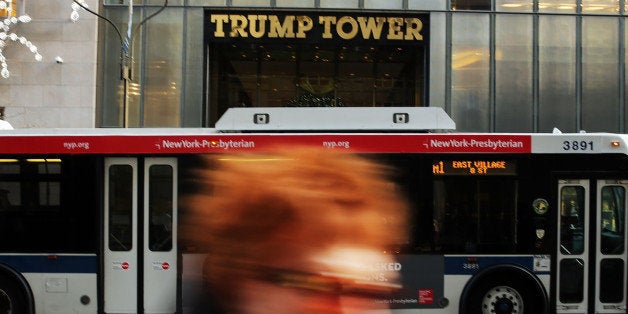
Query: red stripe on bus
x=216, y=143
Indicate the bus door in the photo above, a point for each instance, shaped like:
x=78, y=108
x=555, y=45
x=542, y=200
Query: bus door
x=140, y=239
x=591, y=256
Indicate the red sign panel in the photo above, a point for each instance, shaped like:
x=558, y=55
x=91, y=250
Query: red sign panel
x=224, y=143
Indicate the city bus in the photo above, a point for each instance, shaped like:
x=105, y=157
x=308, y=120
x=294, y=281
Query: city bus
x=500, y=223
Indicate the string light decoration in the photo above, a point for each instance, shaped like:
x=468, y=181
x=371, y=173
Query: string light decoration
x=7, y=36
x=76, y=6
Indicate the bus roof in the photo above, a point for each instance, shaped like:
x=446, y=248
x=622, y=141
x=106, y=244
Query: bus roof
x=354, y=119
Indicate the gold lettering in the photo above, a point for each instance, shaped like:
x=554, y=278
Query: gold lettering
x=305, y=24
x=413, y=28
x=281, y=30
x=254, y=30
x=340, y=27
x=327, y=21
x=394, y=28
x=238, y=26
x=372, y=26
x=220, y=20
x=298, y=26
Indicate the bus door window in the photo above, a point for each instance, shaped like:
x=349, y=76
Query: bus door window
x=121, y=207
x=160, y=208
x=612, y=224
x=572, y=220
x=613, y=236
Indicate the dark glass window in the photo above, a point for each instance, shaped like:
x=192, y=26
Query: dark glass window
x=28, y=185
x=571, y=280
x=611, y=286
x=48, y=204
x=120, y=207
x=314, y=75
x=475, y=216
x=484, y=5
x=160, y=204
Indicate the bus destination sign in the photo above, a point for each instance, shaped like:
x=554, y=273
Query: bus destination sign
x=474, y=167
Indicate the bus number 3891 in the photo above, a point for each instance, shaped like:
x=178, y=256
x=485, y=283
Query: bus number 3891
x=577, y=145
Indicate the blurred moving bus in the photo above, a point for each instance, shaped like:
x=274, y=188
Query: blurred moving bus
x=500, y=223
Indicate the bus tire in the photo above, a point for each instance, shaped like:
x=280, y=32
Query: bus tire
x=13, y=296
x=504, y=289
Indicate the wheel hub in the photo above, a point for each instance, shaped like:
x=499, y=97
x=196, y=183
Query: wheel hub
x=502, y=300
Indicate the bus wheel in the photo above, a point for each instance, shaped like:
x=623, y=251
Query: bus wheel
x=12, y=301
x=502, y=300
x=504, y=290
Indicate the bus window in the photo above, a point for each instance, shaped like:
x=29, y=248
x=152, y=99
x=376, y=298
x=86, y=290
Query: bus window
x=160, y=208
x=572, y=220
x=475, y=216
x=121, y=207
x=611, y=222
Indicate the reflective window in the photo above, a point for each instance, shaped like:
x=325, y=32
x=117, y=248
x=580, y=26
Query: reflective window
x=557, y=6
x=470, y=64
x=471, y=5
x=339, y=4
x=612, y=222
x=611, y=286
x=194, y=69
x=296, y=3
x=120, y=207
x=571, y=280
x=600, y=73
x=157, y=50
x=513, y=73
x=513, y=5
x=160, y=204
x=383, y=5
x=113, y=95
x=600, y=6
x=163, y=63
x=557, y=73
x=572, y=218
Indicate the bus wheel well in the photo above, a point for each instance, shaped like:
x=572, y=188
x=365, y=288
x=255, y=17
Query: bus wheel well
x=522, y=291
x=15, y=292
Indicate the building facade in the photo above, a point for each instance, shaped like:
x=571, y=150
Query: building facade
x=493, y=65
x=60, y=90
